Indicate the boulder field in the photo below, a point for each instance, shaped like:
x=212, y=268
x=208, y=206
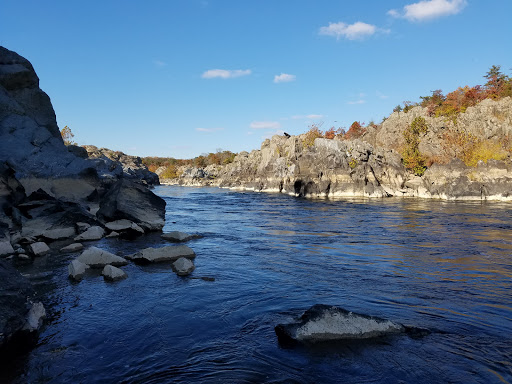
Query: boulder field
x=50, y=191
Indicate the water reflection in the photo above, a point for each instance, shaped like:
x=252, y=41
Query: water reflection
x=440, y=265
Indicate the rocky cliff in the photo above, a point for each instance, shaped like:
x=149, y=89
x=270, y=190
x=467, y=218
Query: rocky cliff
x=51, y=192
x=372, y=165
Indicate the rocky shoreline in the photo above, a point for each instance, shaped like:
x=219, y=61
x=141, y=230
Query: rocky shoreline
x=55, y=198
x=372, y=166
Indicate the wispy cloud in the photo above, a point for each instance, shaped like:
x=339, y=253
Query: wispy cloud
x=284, y=78
x=356, y=31
x=360, y=101
x=265, y=125
x=225, y=73
x=429, y=10
x=310, y=117
x=382, y=96
x=209, y=130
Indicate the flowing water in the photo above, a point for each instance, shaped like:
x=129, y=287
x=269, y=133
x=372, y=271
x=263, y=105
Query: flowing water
x=445, y=266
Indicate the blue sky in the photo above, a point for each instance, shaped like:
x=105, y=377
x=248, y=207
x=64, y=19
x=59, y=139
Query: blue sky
x=184, y=77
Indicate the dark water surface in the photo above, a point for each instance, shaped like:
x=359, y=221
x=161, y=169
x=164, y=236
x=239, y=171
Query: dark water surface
x=445, y=266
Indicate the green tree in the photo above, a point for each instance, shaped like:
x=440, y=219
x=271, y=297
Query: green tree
x=412, y=158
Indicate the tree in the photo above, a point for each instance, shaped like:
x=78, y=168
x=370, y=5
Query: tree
x=412, y=158
x=67, y=135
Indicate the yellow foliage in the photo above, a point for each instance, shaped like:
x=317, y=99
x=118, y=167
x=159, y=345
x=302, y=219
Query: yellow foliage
x=485, y=150
x=170, y=172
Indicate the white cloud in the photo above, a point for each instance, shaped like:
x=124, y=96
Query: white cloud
x=225, y=73
x=209, y=130
x=356, y=31
x=429, y=9
x=265, y=125
x=356, y=102
x=284, y=78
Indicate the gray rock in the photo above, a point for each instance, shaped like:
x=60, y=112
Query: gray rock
x=39, y=249
x=113, y=274
x=112, y=235
x=98, y=258
x=323, y=323
x=75, y=247
x=82, y=227
x=157, y=255
x=183, y=266
x=132, y=201
x=35, y=317
x=23, y=259
x=93, y=233
x=76, y=270
x=6, y=248
x=59, y=233
x=179, y=237
x=125, y=228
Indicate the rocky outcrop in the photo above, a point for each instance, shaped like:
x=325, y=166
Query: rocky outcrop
x=372, y=165
x=179, y=237
x=325, y=323
x=132, y=201
x=130, y=166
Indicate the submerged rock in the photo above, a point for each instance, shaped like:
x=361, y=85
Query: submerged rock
x=98, y=258
x=6, y=248
x=179, y=237
x=112, y=273
x=323, y=323
x=183, y=266
x=157, y=255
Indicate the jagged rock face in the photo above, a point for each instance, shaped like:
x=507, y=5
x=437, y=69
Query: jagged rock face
x=130, y=166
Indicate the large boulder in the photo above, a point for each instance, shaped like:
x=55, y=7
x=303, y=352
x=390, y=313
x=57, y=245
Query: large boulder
x=323, y=323
x=158, y=255
x=132, y=201
x=18, y=313
x=93, y=233
x=98, y=258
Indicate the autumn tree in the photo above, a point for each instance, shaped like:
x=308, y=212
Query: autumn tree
x=67, y=135
x=355, y=131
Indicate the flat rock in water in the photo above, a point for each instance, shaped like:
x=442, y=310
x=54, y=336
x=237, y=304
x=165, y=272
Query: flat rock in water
x=183, y=266
x=179, y=237
x=76, y=270
x=112, y=273
x=157, y=255
x=59, y=233
x=98, y=258
x=93, y=233
x=323, y=323
x=6, y=248
x=75, y=247
x=39, y=249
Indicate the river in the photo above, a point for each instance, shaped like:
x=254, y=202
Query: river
x=445, y=266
